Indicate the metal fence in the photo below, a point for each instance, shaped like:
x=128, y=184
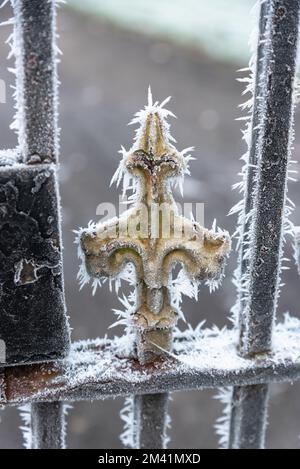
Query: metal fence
x=40, y=370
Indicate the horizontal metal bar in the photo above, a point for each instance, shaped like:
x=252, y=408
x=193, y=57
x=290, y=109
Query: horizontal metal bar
x=98, y=369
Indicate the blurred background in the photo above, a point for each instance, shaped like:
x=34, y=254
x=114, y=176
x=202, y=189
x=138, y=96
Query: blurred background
x=112, y=51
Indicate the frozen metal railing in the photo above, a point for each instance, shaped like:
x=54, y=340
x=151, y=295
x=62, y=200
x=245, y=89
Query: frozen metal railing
x=272, y=125
x=244, y=399
x=100, y=369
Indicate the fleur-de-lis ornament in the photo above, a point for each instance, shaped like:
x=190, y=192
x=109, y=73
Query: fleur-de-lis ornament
x=151, y=235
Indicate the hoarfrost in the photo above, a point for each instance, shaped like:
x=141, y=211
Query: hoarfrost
x=25, y=414
x=28, y=437
x=10, y=157
x=104, y=363
x=297, y=247
x=127, y=437
x=122, y=175
x=66, y=409
x=43, y=142
x=153, y=306
x=252, y=137
x=242, y=233
x=222, y=425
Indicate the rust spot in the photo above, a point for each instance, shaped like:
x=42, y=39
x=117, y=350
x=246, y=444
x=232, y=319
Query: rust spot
x=32, y=60
x=23, y=382
x=281, y=11
x=25, y=272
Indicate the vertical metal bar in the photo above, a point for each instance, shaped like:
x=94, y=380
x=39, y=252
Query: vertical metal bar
x=150, y=412
x=47, y=425
x=35, y=29
x=36, y=79
x=249, y=403
x=256, y=122
x=272, y=177
x=248, y=418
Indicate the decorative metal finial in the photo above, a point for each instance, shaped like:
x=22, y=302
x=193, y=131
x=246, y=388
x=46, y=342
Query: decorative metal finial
x=152, y=235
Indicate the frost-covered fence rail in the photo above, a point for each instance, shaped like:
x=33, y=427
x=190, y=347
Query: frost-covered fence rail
x=162, y=360
x=97, y=369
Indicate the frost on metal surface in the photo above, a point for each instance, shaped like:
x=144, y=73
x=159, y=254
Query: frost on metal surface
x=222, y=425
x=271, y=223
x=265, y=210
x=244, y=208
x=142, y=246
x=128, y=435
x=37, y=434
x=51, y=435
x=10, y=157
x=252, y=134
x=204, y=358
x=25, y=414
x=150, y=169
x=297, y=247
x=31, y=284
x=33, y=45
x=31, y=265
x=247, y=187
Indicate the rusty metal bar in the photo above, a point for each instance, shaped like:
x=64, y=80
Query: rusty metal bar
x=150, y=411
x=96, y=370
x=249, y=405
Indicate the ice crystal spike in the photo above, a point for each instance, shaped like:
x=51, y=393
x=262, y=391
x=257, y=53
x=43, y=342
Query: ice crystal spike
x=138, y=236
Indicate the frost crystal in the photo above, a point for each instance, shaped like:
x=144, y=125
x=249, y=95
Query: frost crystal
x=25, y=414
x=222, y=424
x=248, y=177
x=127, y=416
